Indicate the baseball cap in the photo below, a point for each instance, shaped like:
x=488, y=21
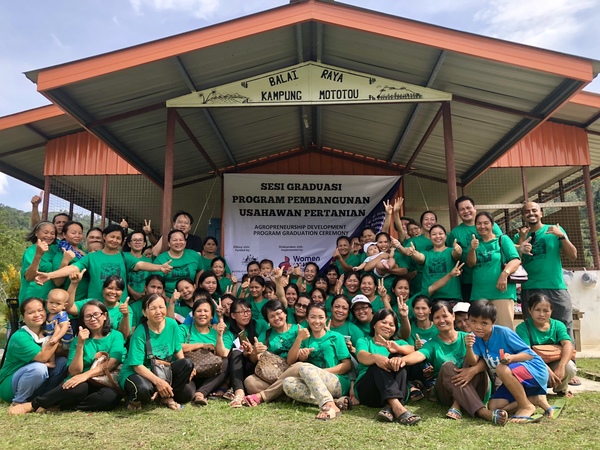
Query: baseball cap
x=462, y=307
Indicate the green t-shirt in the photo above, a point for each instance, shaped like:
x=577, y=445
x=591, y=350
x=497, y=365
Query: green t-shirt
x=544, y=268
x=554, y=335
x=186, y=266
x=292, y=320
x=189, y=334
x=377, y=304
x=424, y=334
x=182, y=310
x=279, y=343
x=113, y=344
x=100, y=266
x=352, y=260
x=364, y=327
x=437, y=352
x=20, y=352
x=488, y=269
x=31, y=288
x=437, y=265
x=137, y=280
x=422, y=244
x=463, y=235
x=367, y=344
x=114, y=314
x=164, y=346
x=256, y=308
x=329, y=351
x=224, y=283
x=349, y=329
x=136, y=312
x=84, y=283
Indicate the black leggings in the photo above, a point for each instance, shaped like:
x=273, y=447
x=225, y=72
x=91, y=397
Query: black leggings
x=208, y=385
x=240, y=367
x=377, y=386
x=140, y=389
x=84, y=397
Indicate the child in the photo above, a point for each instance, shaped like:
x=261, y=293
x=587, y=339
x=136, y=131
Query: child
x=461, y=316
x=386, y=261
x=523, y=373
x=58, y=327
x=266, y=268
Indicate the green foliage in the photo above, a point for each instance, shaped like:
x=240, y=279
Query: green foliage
x=14, y=224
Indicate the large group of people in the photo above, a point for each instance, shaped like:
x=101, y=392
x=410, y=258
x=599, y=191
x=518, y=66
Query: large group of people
x=388, y=321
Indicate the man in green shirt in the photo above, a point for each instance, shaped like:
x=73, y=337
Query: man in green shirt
x=540, y=246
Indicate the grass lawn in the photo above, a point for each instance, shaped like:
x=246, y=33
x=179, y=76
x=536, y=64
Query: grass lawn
x=591, y=365
x=289, y=426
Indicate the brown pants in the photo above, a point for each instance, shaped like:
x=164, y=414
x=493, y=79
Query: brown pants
x=469, y=397
x=270, y=392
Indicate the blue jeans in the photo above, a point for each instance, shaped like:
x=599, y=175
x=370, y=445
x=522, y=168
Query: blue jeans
x=36, y=379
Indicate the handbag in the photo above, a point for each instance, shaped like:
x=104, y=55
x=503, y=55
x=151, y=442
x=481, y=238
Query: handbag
x=159, y=367
x=108, y=378
x=519, y=276
x=206, y=363
x=270, y=366
x=548, y=352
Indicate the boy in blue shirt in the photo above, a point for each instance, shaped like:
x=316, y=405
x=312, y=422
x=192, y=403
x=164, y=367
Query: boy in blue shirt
x=523, y=374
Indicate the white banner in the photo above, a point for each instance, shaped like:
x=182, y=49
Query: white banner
x=294, y=219
x=309, y=83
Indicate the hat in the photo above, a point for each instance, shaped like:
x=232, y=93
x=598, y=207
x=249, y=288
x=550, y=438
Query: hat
x=366, y=246
x=360, y=299
x=462, y=307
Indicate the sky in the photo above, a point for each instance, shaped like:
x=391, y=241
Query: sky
x=40, y=33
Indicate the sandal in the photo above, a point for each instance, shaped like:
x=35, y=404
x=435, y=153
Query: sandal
x=229, y=394
x=18, y=409
x=499, y=417
x=237, y=401
x=526, y=419
x=408, y=418
x=554, y=411
x=575, y=382
x=385, y=415
x=454, y=414
x=328, y=414
x=344, y=403
x=199, y=399
x=170, y=403
x=219, y=393
x=134, y=406
x=416, y=394
x=565, y=394
x=253, y=400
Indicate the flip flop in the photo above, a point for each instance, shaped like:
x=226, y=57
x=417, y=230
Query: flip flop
x=554, y=411
x=343, y=403
x=416, y=394
x=252, y=400
x=385, y=415
x=526, y=419
x=329, y=414
x=575, y=382
x=408, y=418
x=454, y=414
x=199, y=399
x=499, y=417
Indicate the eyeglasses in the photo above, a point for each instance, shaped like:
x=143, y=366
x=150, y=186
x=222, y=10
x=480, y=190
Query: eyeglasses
x=94, y=316
x=244, y=312
x=301, y=306
x=361, y=308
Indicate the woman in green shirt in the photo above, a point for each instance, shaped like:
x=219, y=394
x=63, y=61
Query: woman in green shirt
x=381, y=376
x=456, y=386
x=25, y=372
x=182, y=300
x=38, y=257
x=541, y=329
x=278, y=339
x=437, y=262
x=79, y=391
x=326, y=377
x=487, y=257
x=140, y=384
x=200, y=335
x=185, y=263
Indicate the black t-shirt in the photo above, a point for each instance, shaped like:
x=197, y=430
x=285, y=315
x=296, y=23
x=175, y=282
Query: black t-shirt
x=194, y=242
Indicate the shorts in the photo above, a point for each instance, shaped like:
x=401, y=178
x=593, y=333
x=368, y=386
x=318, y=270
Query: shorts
x=527, y=380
